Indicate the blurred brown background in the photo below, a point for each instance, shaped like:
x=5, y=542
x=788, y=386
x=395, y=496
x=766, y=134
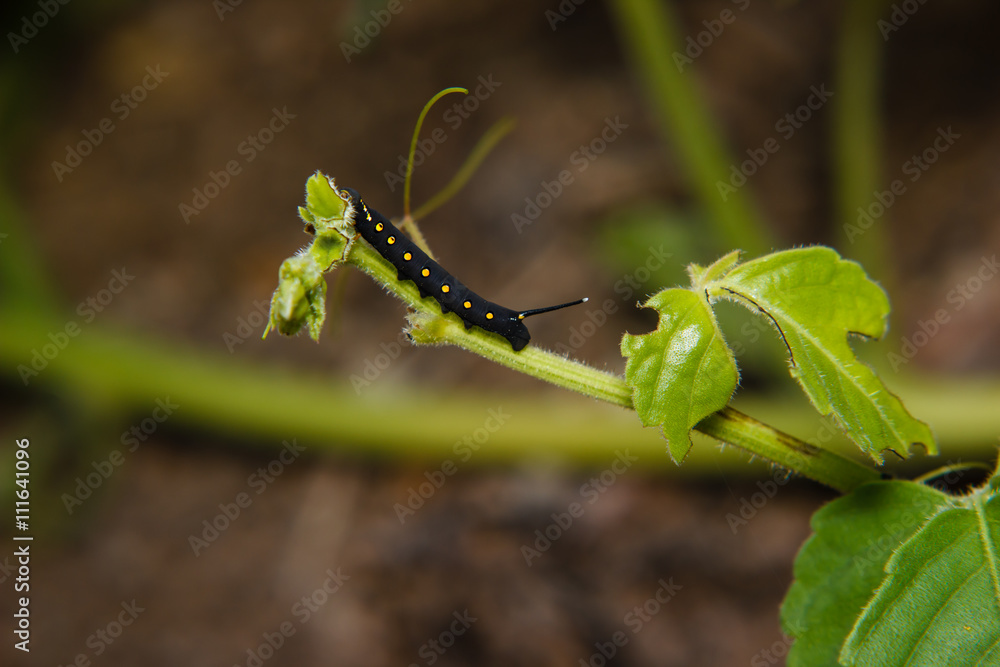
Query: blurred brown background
x=328, y=515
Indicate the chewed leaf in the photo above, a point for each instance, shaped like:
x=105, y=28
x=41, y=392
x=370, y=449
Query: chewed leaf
x=815, y=299
x=322, y=200
x=841, y=566
x=299, y=300
x=683, y=371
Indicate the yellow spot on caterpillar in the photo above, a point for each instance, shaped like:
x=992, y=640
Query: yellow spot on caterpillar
x=391, y=240
x=425, y=273
x=407, y=256
x=489, y=316
x=467, y=304
x=520, y=317
x=368, y=215
x=445, y=289
x=378, y=226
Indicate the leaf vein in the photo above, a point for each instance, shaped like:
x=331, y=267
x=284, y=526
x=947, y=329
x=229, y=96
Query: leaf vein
x=890, y=604
x=924, y=633
x=989, y=554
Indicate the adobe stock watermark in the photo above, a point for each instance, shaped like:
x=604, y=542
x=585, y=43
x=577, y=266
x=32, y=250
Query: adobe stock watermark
x=223, y=7
x=695, y=45
x=365, y=32
x=626, y=287
x=247, y=326
x=30, y=25
x=786, y=127
x=900, y=14
x=373, y=367
x=878, y=549
x=595, y=318
x=751, y=332
x=102, y=638
x=562, y=12
x=121, y=107
x=951, y=476
x=775, y=653
x=631, y=284
x=22, y=583
x=432, y=650
x=87, y=310
x=580, y=159
x=258, y=482
x=454, y=116
x=302, y=611
x=130, y=439
x=463, y=450
x=591, y=491
x=247, y=151
x=913, y=169
x=7, y=569
x=749, y=507
x=634, y=620
x=956, y=298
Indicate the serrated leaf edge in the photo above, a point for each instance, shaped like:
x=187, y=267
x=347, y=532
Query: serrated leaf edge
x=827, y=409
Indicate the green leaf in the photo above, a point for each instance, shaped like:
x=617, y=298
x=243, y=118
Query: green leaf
x=322, y=200
x=842, y=564
x=815, y=299
x=703, y=276
x=683, y=371
x=299, y=300
x=306, y=215
x=898, y=573
x=940, y=601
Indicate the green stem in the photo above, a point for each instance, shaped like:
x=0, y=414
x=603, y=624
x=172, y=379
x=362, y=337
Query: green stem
x=24, y=284
x=649, y=31
x=857, y=137
x=413, y=144
x=479, y=152
x=822, y=465
x=429, y=327
x=498, y=131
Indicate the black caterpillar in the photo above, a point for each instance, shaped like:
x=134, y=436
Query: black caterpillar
x=413, y=264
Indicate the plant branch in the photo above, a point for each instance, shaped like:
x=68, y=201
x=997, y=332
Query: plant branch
x=430, y=327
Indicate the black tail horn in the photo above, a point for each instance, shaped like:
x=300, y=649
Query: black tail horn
x=536, y=311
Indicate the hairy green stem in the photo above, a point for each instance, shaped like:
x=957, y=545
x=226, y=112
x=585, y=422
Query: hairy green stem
x=430, y=327
x=822, y=465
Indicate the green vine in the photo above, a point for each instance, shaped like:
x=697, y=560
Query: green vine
x=656, y=377
x=297, y=301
